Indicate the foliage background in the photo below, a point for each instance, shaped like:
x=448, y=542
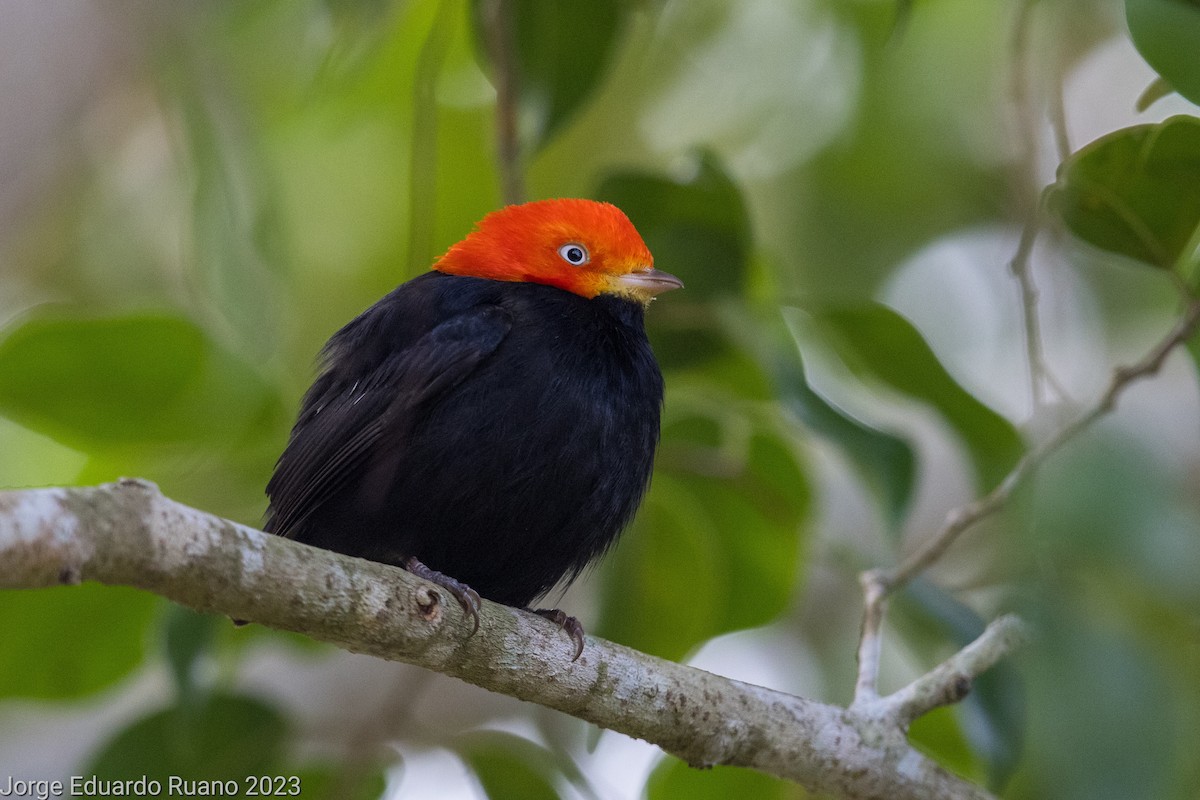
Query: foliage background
x=194, y=197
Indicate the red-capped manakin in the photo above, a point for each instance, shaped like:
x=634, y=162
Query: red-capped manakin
x=491, y=424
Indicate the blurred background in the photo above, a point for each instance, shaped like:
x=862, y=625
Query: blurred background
x=194, y=196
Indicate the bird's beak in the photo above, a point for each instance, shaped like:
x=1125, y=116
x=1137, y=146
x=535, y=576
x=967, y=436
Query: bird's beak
x=646, y=283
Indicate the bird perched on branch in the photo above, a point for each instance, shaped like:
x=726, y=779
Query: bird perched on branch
x=490, y=425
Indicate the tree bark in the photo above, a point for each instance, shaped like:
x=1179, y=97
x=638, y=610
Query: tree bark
x=128, y=533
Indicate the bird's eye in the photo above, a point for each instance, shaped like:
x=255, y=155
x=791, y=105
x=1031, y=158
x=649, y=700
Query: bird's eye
x=573, y=254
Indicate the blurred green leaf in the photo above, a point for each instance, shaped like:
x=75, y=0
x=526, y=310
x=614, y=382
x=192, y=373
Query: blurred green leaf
x=226, y=737
x=1193, y=349
x=187, y=636
x=673, y=779
x=1103, y=721
x=237, y=230
x=939, y=735
x=148, y=379
x=876, y=342
x=559, y=52
x=697, y=229
x=992, y=718
x=885, y=462
x=1157, y=90
x=423, y=164
x=1136, y=193
x=759, y=510
x=1104, y=717
x=995, y=720
x=347, y=781
x=510, y=766
x=71, y=640
x=357, y=13
x=724, y=512
x=1100, y=501
x=664, y=584
x=921, y=157
x=1167, y=34
x=31, y=459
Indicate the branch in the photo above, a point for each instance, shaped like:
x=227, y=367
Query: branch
x=950, y=681
x=965, y=517
x=879, y=584
x=1026, y=121
x=128, y=533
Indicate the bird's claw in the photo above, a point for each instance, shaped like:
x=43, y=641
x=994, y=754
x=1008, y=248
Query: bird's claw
x=567, y=623
x=467, y=597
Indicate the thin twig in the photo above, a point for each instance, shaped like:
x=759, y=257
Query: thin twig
x=964, y=517
x=870, y=643
x=1026, y=123
x=423, y=161
x=879, y=584
x=1022, y=103
x=1056, y=106
x=950, y=681
x=1034, y=355
x=498, y=36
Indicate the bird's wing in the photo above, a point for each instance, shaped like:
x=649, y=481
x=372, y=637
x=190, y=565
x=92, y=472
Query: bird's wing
x=344, y=420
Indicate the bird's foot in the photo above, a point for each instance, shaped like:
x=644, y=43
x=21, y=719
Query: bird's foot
x=467, y=597
x=566, y=623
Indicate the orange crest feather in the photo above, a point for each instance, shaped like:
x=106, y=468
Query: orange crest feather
x=525, y=243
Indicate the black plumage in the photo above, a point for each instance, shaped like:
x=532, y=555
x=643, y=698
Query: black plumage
x=501, y=432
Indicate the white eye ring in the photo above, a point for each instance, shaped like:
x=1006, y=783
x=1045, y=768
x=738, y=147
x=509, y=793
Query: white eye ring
x=574, y=254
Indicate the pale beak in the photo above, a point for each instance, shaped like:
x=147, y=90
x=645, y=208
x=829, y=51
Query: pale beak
x=647, y=283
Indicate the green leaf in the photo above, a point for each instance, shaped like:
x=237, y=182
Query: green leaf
x=560, y=52
x=697, y=228
x=31, y=459
x=424, y=163
x=1112, y=558
x=876, y=342
x=234, y=214
x=351, y=780
x=188, y=635
x=717, y=544
x=883, y=461
x=1157, y=90
x=664, y=585
x=1136, y=193
x=1193, y=349
x=1104, y=721
x=921, y=158
x=71, y=641
x=227, y=737
x=149, y=379
x=509, y=766
x=759, y=510
x=674, y=779
x=992, y=718
x=939, y=735
x=1167, y=34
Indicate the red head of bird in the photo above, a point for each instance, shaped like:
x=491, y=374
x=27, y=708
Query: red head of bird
x=580, y=246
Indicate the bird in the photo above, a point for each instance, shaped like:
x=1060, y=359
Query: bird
x=490, y=425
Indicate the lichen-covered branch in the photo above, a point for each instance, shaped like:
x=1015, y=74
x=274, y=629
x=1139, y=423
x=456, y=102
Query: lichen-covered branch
x=950, y=681
x=130, y=534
